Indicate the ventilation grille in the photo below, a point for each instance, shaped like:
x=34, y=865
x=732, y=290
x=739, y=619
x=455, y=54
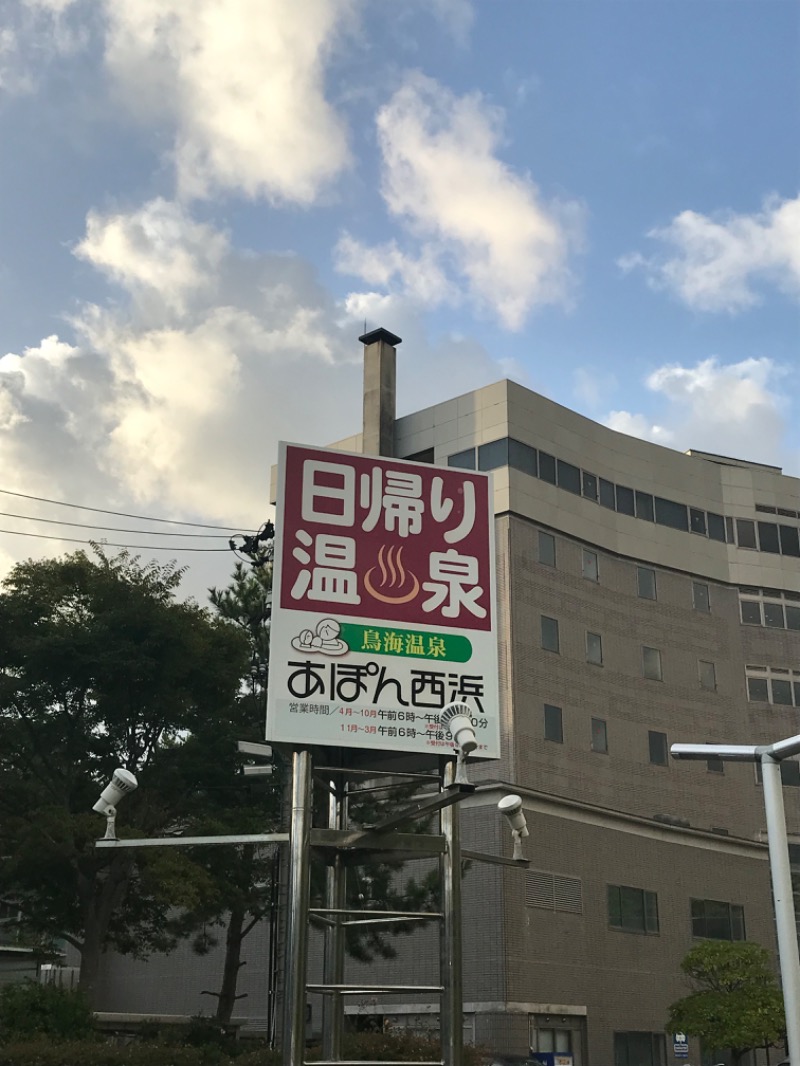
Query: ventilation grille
x=553, y=892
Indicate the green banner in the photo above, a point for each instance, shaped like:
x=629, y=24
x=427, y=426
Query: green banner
x=381, y=640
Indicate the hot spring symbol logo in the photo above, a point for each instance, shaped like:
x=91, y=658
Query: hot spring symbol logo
x=393, y=576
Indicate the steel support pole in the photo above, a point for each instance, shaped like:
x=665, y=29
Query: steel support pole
x=784, y=900
x=452, y=1026
x=333, y=970
x=294, y=1007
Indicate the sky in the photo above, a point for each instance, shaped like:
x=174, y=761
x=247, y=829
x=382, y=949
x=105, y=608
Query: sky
x=202, y=204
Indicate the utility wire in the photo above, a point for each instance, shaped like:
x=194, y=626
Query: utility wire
x=120, y=514
x=113, y=529
x=110, y=544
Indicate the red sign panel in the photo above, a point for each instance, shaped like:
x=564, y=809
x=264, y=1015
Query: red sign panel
x=385, y=540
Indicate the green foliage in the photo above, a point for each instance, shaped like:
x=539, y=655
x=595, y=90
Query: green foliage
x=736, y=1002
x=30, y=1009
x=96, y=1053
x=393, y=1046
x=100, y=666
x=397, y=1046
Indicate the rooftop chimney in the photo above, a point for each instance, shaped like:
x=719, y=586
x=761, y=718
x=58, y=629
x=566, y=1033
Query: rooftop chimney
x=380, y=387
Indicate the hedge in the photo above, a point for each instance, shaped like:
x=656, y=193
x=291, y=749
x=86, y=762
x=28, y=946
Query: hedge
x=379, y=1047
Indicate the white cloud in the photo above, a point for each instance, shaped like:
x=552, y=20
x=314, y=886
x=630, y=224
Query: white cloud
x=174, y=405
x=735, y=409
x=157, y=252
x=720, y=263
x=32, y=33
x=639, y=426
x=421, y=277
x=472, y=218
x=241, y=82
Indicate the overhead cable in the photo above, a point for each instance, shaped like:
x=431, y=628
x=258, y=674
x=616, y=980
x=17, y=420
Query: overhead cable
x=113, y=529
x=120, y=514
x=110, y=544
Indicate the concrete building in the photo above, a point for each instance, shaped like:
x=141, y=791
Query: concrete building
x=645, y=596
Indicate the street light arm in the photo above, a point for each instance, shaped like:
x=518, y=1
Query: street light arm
x=728, y=752
x=782, y=749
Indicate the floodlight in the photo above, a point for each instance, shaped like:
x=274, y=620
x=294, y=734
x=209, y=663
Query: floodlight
x=122, y=782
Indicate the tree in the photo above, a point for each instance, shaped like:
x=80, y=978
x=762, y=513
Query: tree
x=100, y=666
x=736, y=1003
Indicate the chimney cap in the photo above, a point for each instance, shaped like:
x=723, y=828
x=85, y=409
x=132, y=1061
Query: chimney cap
x=381, y=334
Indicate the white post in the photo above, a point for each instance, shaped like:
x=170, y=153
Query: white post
x=784, y=901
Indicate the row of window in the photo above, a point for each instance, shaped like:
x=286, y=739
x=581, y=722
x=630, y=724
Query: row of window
x=553, y=721
x=767, y=607
x=646, y=585
x=651, y=657
x=771, y=684
x=760, y=536
x=658, y=746
x=633, y=910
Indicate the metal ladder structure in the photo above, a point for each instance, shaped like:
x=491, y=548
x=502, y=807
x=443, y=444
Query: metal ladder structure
x=343, y=846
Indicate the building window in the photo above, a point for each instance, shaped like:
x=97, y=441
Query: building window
x=790, y=773
x=746, y=533
x=607, y=494
x=715, y=765
x=751, y=612
x=554, y=1041
x=463, y=460
x=633, y=909
x=790, y=540
x=589, y=486
x=644, y=506
x=697, y=521
x=659, y=754
x=768, y=538
x=715, y=920
x=700, y=598
x=599, y=736
x=707, y=675
x=590, y=566
x=640, y=1049
x=716, y=527
x=553, y=724
x=625, y=501
x=493, y=455
x=550, y=633
x=569, y=477
x=547, y=549
x=757, y=689
x=645, y=583
x=547, y=468
x=674, y=515
x=594, y=649
x=651, y=663
x=522, y=457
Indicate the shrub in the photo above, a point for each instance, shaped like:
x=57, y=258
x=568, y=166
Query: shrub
x=29, y=1009
x=95, y=1053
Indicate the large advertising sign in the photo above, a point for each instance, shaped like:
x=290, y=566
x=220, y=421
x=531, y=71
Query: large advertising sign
x=383, y=603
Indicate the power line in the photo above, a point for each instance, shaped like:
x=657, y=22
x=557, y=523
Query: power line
x=122, y=514
x=110, y=544
x=114, y=529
